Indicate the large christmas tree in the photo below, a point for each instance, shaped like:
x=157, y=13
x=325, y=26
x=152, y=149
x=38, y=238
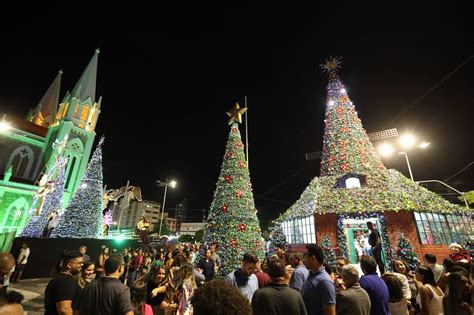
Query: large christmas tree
x=83, y=216
x=52, y=202
x=346, y=146
x=232, y=220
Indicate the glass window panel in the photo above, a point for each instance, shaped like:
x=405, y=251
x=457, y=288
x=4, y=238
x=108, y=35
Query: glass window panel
x=417, y=216
x=424, y=238
x=421, y=226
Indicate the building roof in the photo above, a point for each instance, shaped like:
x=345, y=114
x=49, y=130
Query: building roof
x=48, y=105
x=85, y=87
x=388, y=190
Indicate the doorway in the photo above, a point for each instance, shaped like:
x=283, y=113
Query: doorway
x=357, y=236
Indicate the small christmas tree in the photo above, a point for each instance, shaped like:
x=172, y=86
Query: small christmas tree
x=232, y=220
x=329, y=253
x=277, y=237
x=52, y=202
x=83, y=216
x=406, y=253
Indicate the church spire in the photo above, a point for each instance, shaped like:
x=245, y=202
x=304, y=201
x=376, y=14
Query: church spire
x=85, y=87
x=45, y=112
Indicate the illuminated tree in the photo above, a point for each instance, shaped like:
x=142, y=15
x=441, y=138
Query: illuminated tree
x=52, y=202
x=232, y=221
x=83, y=216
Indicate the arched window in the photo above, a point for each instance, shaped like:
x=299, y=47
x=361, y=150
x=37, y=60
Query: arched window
x=15, y=214
x=70, y=171
x=21, y=161
x=74, y=150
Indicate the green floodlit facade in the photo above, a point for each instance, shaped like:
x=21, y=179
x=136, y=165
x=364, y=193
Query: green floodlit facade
x=29, y=148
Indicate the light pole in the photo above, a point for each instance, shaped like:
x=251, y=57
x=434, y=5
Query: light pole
x=408, y=163
x=172, y=184
x=406, y=142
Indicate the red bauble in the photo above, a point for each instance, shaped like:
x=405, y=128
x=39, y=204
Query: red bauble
x=340, y=110
x=233, y=242
x=228, y=154
x=341, y=143
x=242, y=227
x=235, y=129
x=331, y=158
x=228, y=179
x=224, y=208
x=239, y=193
x=345, y=167
x=240, y=164
x=345, y=130
x=238, y=144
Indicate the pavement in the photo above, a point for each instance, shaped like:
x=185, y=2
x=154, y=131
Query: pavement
x=33, y=291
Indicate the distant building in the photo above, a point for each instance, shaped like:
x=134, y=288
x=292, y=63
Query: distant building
x=190, y=228
x=128, y=217
x=171, y=223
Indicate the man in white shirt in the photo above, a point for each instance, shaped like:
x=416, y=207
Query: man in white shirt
x=437, y=269
x=21, y=262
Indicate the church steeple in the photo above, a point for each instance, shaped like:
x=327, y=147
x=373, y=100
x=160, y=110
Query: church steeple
x=80, y=106
x=45, y=112
x=85, y=87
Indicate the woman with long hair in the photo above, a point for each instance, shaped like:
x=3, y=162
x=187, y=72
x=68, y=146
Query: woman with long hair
x=458, y=300
x=86, y=275
x=430, y=296
x=104, y=254
x=398, y=305
x=156, y=289
x=186, y=286
x=401, y=267
x=138, y=297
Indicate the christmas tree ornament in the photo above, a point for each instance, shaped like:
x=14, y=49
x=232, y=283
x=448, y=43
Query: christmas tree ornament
x=235, y=114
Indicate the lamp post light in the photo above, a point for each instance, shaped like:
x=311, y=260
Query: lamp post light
x=408, y=164
x=172, y=184
x=4, y=124
x=406, y=142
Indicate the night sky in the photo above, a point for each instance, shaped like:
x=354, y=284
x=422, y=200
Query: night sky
x=166, y=91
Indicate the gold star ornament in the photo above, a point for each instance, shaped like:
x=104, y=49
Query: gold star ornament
x=236, y=113
x=331, y=65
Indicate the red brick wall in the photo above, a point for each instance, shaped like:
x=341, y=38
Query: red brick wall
x=326, y=224
x=397, y=223
x=404, y=222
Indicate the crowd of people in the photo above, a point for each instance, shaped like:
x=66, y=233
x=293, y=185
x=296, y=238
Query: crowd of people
x=170, y=279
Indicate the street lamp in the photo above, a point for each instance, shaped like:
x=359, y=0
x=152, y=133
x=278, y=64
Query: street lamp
x=4, y=124
x=172, y=184
x=406, y=142
x=408, y=163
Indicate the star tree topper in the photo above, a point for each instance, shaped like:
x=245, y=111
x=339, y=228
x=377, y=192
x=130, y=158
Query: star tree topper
x=331, y=65
x=235, y=114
